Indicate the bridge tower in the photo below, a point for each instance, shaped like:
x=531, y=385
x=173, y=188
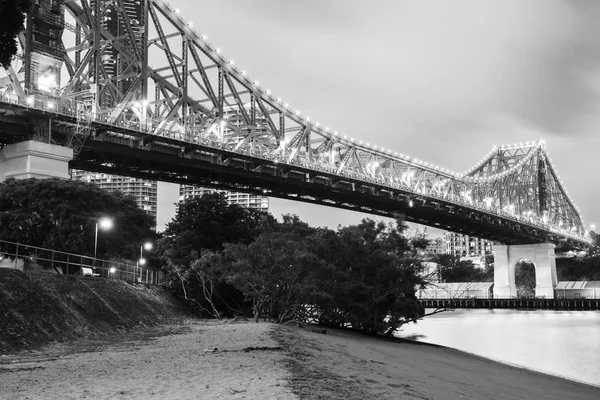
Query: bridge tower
x=541, y=255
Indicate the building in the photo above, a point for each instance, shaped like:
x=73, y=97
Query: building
x=143, y=191
x=436, y=246
x=578, y=290
x=248, y=200
x=467, y=246
x=457, y=290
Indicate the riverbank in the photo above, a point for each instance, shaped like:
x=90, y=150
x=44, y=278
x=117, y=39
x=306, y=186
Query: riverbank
x=234, y=360
x=225, y=359
x=559, y=343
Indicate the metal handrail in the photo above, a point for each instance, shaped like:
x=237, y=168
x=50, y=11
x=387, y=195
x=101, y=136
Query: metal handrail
x=16, y=255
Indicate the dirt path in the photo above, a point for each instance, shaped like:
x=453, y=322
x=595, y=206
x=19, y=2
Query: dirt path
x=195, y=360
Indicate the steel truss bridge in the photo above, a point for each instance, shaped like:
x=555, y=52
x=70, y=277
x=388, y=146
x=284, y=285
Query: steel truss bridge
x=135, y=90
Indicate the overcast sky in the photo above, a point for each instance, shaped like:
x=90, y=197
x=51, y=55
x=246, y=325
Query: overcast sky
x=443, y=81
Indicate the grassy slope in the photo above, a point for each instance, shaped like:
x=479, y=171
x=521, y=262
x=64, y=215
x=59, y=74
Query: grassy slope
x=40, y=307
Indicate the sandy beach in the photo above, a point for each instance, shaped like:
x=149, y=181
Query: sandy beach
x=242, y=360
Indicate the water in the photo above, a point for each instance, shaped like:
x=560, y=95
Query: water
x=562, y=343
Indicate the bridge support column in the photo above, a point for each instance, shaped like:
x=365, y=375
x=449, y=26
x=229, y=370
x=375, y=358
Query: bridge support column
x=32, y=159
x=504, y=273
x=541, y=255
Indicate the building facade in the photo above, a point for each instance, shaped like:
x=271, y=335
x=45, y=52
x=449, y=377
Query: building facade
x=247, y=200
x=467, y=246
x=143, y=191
x=436, y=246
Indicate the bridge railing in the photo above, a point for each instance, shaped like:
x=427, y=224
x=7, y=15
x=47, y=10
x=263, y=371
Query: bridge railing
x=24, y=257
x=81, y=110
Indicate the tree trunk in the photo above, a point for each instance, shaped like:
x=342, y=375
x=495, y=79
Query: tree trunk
x=255, y=309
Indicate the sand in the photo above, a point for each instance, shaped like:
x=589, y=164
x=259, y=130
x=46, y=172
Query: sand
x=243, y=360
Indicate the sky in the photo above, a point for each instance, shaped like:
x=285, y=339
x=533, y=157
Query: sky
x=441, y=81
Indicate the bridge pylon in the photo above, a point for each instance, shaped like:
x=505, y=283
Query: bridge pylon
x=541, y=255
x=33, y=159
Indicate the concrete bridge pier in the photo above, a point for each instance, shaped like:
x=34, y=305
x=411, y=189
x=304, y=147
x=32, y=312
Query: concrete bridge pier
x=541, y=255
x=32, y=159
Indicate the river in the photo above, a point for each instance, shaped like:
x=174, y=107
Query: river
x=562, y=343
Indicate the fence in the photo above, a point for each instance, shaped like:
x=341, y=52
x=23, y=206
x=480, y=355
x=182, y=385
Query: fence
x=514, y=303
x=25, y=257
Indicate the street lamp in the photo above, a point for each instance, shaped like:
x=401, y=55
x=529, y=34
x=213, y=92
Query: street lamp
x=142, y=260
x=104, y=224
x=145, y=246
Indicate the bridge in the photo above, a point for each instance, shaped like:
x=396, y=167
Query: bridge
x=131, y=88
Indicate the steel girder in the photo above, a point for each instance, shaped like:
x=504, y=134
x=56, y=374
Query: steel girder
x=138, y=65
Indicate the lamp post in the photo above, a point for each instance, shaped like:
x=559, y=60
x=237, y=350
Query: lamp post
x=142, y=260
x=105, y=224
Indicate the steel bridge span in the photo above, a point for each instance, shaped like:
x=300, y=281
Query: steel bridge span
x=133, y=89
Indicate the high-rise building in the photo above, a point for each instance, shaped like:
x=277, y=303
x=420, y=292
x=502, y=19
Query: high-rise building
x=467, y=246
x=247, y=200
x=143, y=191
x=436, y=246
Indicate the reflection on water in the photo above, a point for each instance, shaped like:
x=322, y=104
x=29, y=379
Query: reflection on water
x=563, y=343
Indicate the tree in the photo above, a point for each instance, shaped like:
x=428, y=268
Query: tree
x=370, y=279
x=362, y=276
x=12, y=20
x=61, y=214
x=191, y=249
x=579, y=269
x=453, y=269
x=201, y=280
x=525, y=278
x=273, y=273
x=205, y=223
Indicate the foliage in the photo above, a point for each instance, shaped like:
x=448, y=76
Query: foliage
x=191, y=249
x=578, y=269
x=453, y=269
x=201, y=280
x=61, y=214
x=370, y=281
x=525, y=279
x=206, y=223
x=362, y=276
x=12, y=20
x=273, y=273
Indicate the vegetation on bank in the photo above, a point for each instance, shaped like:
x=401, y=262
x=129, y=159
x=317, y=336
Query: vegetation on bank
x=231, y=261
x=41, y=307
x=62, y=214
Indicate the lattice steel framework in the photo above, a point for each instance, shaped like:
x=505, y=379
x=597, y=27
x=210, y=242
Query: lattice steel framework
x=136, y=66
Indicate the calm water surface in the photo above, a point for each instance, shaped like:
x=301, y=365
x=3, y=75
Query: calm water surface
x=563, y=343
